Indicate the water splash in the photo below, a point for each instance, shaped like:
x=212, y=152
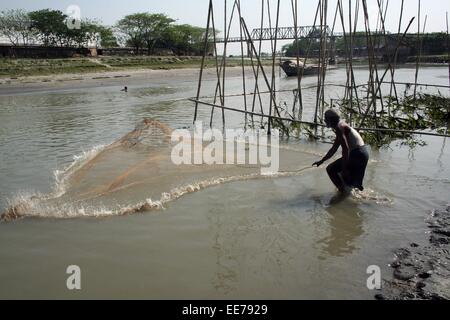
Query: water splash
x=62, y=176
x=369, y=195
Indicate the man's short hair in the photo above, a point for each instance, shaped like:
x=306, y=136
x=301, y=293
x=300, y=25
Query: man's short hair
x=333, y=117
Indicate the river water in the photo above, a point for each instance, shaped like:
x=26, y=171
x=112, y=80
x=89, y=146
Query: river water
x=210, y=232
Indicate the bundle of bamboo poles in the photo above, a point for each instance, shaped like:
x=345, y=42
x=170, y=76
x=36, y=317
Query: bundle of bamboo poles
x=374, y=101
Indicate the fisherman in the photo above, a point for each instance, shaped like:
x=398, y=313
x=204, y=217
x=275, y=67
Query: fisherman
x=125, y=89
x=348, y=172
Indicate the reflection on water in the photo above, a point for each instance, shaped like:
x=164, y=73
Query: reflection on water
x=346, y=226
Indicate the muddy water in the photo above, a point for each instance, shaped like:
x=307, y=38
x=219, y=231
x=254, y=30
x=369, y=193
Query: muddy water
x=285, y=236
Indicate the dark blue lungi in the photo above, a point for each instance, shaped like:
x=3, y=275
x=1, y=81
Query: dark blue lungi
x=357, y=164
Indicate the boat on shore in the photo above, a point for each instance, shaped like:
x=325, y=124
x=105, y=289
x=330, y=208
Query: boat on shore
x=292, y=69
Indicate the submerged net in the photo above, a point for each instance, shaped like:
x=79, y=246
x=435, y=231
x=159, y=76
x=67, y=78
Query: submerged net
x=136, y=174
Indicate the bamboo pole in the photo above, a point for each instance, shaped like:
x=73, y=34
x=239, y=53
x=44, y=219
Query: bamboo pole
x=418, y=48
x=350, y=53
x=278, y=91
x=357, y=8
x=325, y=58
x=274, y=49
x=223, y=66
x=312, y=124
x=218, y=71
x=448, y=49
x=259, y=62
x=297, y=54
x=396, y=56
x=383, y=31
x=372, y=69
x=335, y=85
x=398, y=46
x=351, y=87
x=227, y=33
x=258, y=54
x=322, y=52
x=242, y=59
x=203, y=59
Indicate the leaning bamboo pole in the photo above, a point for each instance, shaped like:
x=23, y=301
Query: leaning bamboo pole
x=357, y=8
x=258, y=55
x=351, y=82
x=227, y=33
x=325, y=57
x=418, y=52
x=297, y=55
x=321, y=50
x=260, y=64
x=394, y=67
x=242, y=58
x=203, y=59
x=398, y=47
x=386, y=44
x=350, y=52
x=448, y=49
x=218, y=70
x=221, y=75
x=373, y=70
x=322, y=57
x=340, y=10
x=274, y=50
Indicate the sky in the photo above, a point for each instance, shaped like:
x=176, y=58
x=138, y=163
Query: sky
x=195, y=12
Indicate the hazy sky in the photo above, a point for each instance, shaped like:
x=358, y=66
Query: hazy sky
x=195, y=11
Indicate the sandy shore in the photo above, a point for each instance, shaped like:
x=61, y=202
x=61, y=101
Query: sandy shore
x=20, y=85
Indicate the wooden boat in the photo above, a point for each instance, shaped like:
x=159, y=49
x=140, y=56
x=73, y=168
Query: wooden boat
x=291, y=68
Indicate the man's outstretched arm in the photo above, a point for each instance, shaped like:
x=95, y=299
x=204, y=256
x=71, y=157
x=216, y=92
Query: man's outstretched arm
x=330, y=153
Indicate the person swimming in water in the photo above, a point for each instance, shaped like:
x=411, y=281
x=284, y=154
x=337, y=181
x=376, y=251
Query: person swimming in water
x=347, y=172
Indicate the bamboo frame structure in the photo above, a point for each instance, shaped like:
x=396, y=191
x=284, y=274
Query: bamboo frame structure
x=369, y=104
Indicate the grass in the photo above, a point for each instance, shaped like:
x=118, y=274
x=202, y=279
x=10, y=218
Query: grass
x=14, y=68
x=35, y=67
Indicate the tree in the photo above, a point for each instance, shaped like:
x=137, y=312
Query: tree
x=156, y=30
x=290, y=50
x=50, y=26
x=186, y=39
x=90, y=32
x=144, y=29
x=132, y=29
x=105, y=37
x=15, y=24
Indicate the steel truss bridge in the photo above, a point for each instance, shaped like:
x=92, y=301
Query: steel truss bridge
x=312, y=32
x=285, y=33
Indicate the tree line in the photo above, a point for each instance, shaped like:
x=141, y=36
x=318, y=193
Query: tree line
x=145, y=32
x=430, y=43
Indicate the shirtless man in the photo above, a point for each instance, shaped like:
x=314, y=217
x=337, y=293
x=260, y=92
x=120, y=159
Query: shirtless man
x=349, y=171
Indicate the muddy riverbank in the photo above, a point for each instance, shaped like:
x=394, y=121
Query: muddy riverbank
x=423, y=272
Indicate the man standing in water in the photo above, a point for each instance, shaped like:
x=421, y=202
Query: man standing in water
x=349, y=171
